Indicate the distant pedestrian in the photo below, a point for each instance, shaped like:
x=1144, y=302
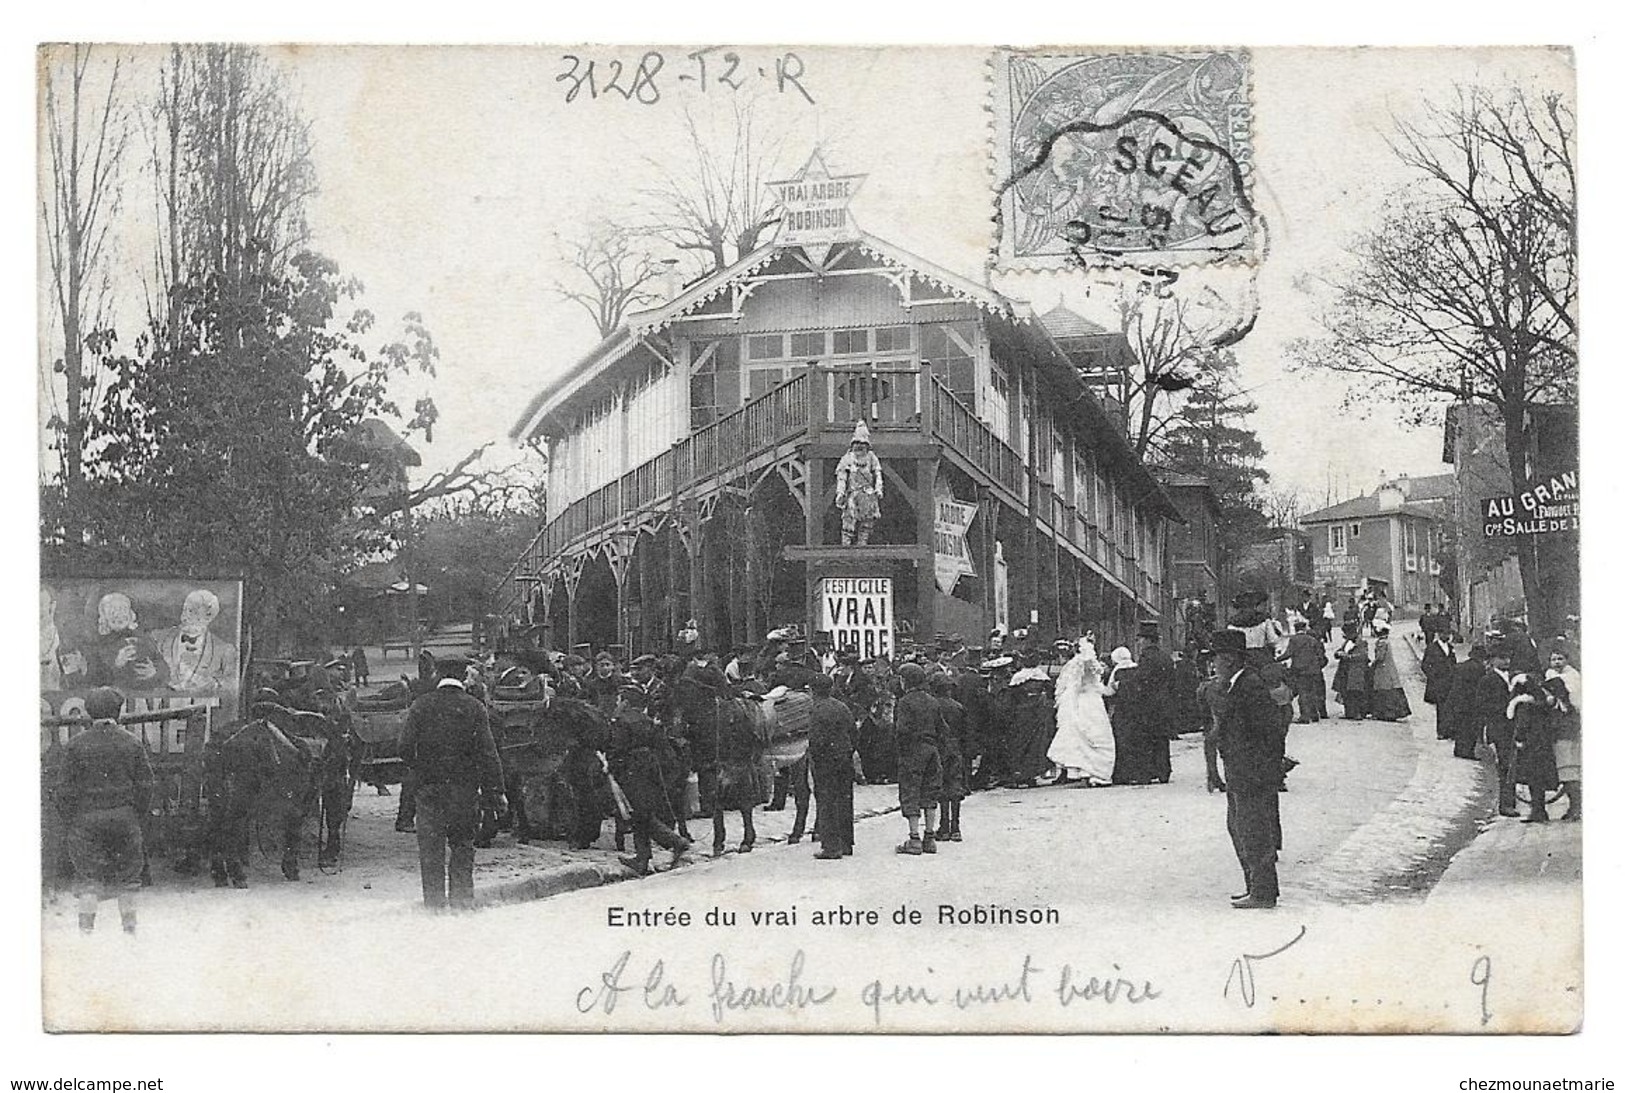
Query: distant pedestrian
x=1459, y=712
x=1351, y=681
x=1439, y=669
x=1305, y=660
x=1248, y=742
x=1494, y=695
x=830, y=744
x=448, y=748
x=1565, y=742
x=953, y=747
x=359, y=666
x=1387, y=697
x=635, y=763
x=102, y=787
x=1533, y=732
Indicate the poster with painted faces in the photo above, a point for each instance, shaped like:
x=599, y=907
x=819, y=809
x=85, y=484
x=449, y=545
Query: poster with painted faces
x=162, y=642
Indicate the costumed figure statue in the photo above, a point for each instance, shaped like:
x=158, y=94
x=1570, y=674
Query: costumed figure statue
x=1084, y=747
x=859, y=486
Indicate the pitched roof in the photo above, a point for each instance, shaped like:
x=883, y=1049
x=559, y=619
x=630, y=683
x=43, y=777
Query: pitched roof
x=1361, y=507
x=1063, y=322
x=688, y=302
x=1427, y=487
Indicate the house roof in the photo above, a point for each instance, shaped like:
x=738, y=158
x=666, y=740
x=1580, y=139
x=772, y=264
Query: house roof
x=1362, y=507
x=1427, y=487
x=1063, y=322
x=688, y=303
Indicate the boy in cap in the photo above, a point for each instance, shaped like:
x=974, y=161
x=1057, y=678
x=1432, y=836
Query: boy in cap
x=102, y=784
x=919, y=763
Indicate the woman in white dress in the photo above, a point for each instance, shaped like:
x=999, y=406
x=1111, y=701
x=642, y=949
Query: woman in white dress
x=1083, y=747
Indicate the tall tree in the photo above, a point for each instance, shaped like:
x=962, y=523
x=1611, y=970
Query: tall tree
x=1466, y=288
x=1210, y=436
x=610, y=273
x=231, y=163
x=715, y=202
x=226, y=444
x=87, y=131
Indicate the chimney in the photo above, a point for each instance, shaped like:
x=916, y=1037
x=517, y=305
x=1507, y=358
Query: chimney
x=1390, y=498
x=669, y=278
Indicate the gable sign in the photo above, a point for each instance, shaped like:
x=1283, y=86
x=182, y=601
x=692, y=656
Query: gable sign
x=812, y=206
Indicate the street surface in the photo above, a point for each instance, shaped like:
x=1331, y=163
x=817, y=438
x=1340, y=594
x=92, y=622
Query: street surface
x=1137, y=877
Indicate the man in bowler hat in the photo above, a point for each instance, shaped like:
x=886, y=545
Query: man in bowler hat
x=1248, y=736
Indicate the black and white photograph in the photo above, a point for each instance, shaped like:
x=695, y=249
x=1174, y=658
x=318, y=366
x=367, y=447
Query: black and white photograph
x=797, y=538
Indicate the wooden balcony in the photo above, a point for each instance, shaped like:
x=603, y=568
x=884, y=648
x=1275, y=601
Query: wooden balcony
x=894, y=398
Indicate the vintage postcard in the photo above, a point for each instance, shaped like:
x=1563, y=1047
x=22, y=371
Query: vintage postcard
x=747, y=539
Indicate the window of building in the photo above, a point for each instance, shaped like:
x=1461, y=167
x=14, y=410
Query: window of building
x=714, y=380
x=850, y=341
x=763, y=380
x=765, y=347
x=1354, y=531
x=950, y=348
x=808, y=345
x=893, y=339
x=997, y=411
x=1339, y=539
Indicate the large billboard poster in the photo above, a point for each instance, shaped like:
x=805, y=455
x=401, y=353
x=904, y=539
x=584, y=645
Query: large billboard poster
x=164, y=642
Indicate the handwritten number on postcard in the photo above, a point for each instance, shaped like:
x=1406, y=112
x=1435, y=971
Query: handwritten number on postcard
x=1480, y=977
x=731, y=71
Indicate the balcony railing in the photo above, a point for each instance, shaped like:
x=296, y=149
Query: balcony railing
x=887, y=396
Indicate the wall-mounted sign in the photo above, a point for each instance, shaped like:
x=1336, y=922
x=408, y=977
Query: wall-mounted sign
x=812, y=207
x=952, y=545
x=857, y=612
x=1337, y=569
x=1547, y=506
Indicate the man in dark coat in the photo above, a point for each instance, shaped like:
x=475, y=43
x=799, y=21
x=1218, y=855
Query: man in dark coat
x=790, y=783
x=635, y=763
x=830, y=743
x=1305, y=660
x=1438, y=667
x=919, y=763
x=1459, y=710
x=1158, y=701
x=448, y=747
x=1494, y=692
x=101, y=784
x=1248, y=738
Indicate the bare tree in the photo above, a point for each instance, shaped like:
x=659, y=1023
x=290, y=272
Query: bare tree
x=1466, y=288
x=610, y=270
x=1173, y=338
x=717, y=203
x=86, y=136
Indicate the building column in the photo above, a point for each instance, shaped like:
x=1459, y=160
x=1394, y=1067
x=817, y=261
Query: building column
x=753, y=574
x=925, y=533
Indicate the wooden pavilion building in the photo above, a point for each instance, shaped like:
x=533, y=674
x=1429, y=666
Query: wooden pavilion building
x=692, y=455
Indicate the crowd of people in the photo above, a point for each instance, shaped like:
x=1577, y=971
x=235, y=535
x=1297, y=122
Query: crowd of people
x=945, y=722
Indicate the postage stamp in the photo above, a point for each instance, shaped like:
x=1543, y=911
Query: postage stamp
x=1126, y=157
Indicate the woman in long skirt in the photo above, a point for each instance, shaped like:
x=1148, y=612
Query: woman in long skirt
x=1084, y=747
x=1565, y=740
x=1135, y=761
x=1350, y=681
x=1387, y=697
x=1530, y=712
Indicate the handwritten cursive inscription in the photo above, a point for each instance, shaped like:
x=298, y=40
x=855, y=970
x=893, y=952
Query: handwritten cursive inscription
x=1241, y=970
